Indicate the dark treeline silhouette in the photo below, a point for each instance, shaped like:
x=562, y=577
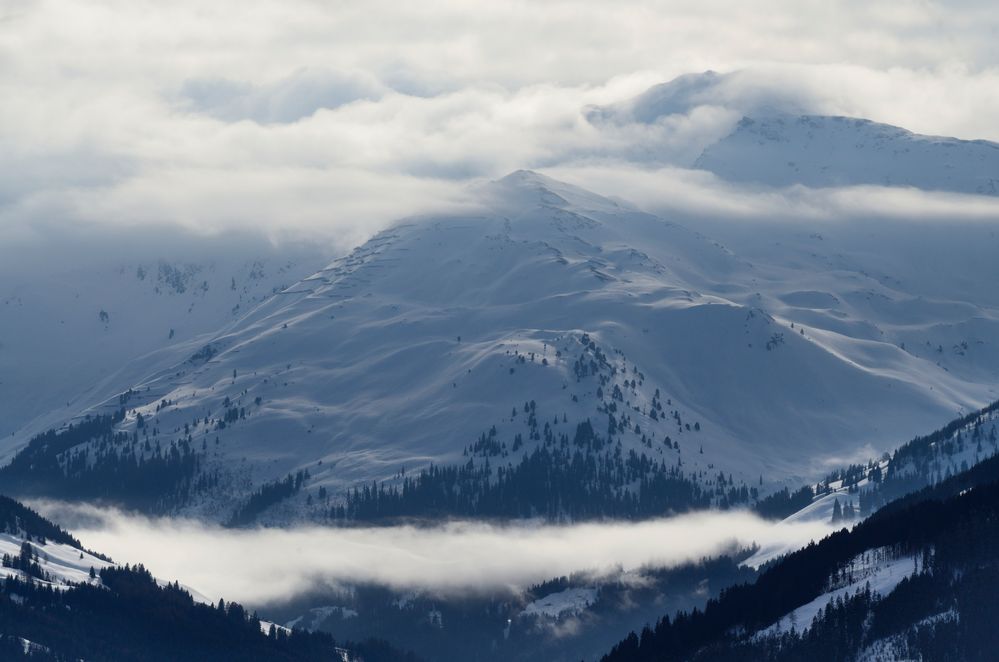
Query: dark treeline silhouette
x=556, y=480
x=19, y=520
x=782, y=503
x=953, y=527
x=268, y=495
x=131, y=617
x=492, y=625
x=922, y=461
x=90, y=460
x=26, y=561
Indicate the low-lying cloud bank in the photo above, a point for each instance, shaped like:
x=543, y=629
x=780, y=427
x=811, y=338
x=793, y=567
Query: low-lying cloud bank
x=671, y=191
x=266, y=565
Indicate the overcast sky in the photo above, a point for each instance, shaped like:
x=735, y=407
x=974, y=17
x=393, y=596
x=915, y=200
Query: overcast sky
x=339, y=116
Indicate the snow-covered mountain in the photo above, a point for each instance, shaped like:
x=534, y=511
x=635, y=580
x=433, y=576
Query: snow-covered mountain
x=820, y=151
x=758, y=356
x=76, y=311
x=489, y=335
x=747, y=128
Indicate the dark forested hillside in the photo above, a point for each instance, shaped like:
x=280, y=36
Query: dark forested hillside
x=950, y=531
x=23, y=522
x=131, y=617
x=124, y=613
x=543, y=622
x=923, y=461
x=91, y=459
x=562, y=479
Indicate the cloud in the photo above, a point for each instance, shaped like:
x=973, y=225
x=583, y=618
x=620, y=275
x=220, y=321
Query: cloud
x=692, y=194
x=309, y=117
x=267, y=565
x=285, y=100
x=740, y=92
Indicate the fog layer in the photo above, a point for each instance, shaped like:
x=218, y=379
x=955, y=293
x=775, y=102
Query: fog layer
x=265, y=565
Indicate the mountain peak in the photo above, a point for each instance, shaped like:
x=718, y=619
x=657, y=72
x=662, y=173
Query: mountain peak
x=782, y=149
x=530, y=189
x=525, y=176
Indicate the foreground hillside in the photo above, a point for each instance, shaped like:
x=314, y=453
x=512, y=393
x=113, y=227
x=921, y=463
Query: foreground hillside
x=913, y=581
x=59, y=601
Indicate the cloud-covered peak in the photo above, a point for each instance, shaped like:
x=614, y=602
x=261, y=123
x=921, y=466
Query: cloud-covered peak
x=299, y=116
x=526, y=188
x=739, y=92
x=676, y=97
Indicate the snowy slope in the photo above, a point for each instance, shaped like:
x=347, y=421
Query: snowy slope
x=63, y=564
x=74, y=312
x=820, y=151
x=880, y=570
x=407, y=350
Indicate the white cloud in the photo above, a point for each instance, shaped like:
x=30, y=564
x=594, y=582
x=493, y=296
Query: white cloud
x=264, y=565
x=669, y=190
x=285, y=100
x=343, y=116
